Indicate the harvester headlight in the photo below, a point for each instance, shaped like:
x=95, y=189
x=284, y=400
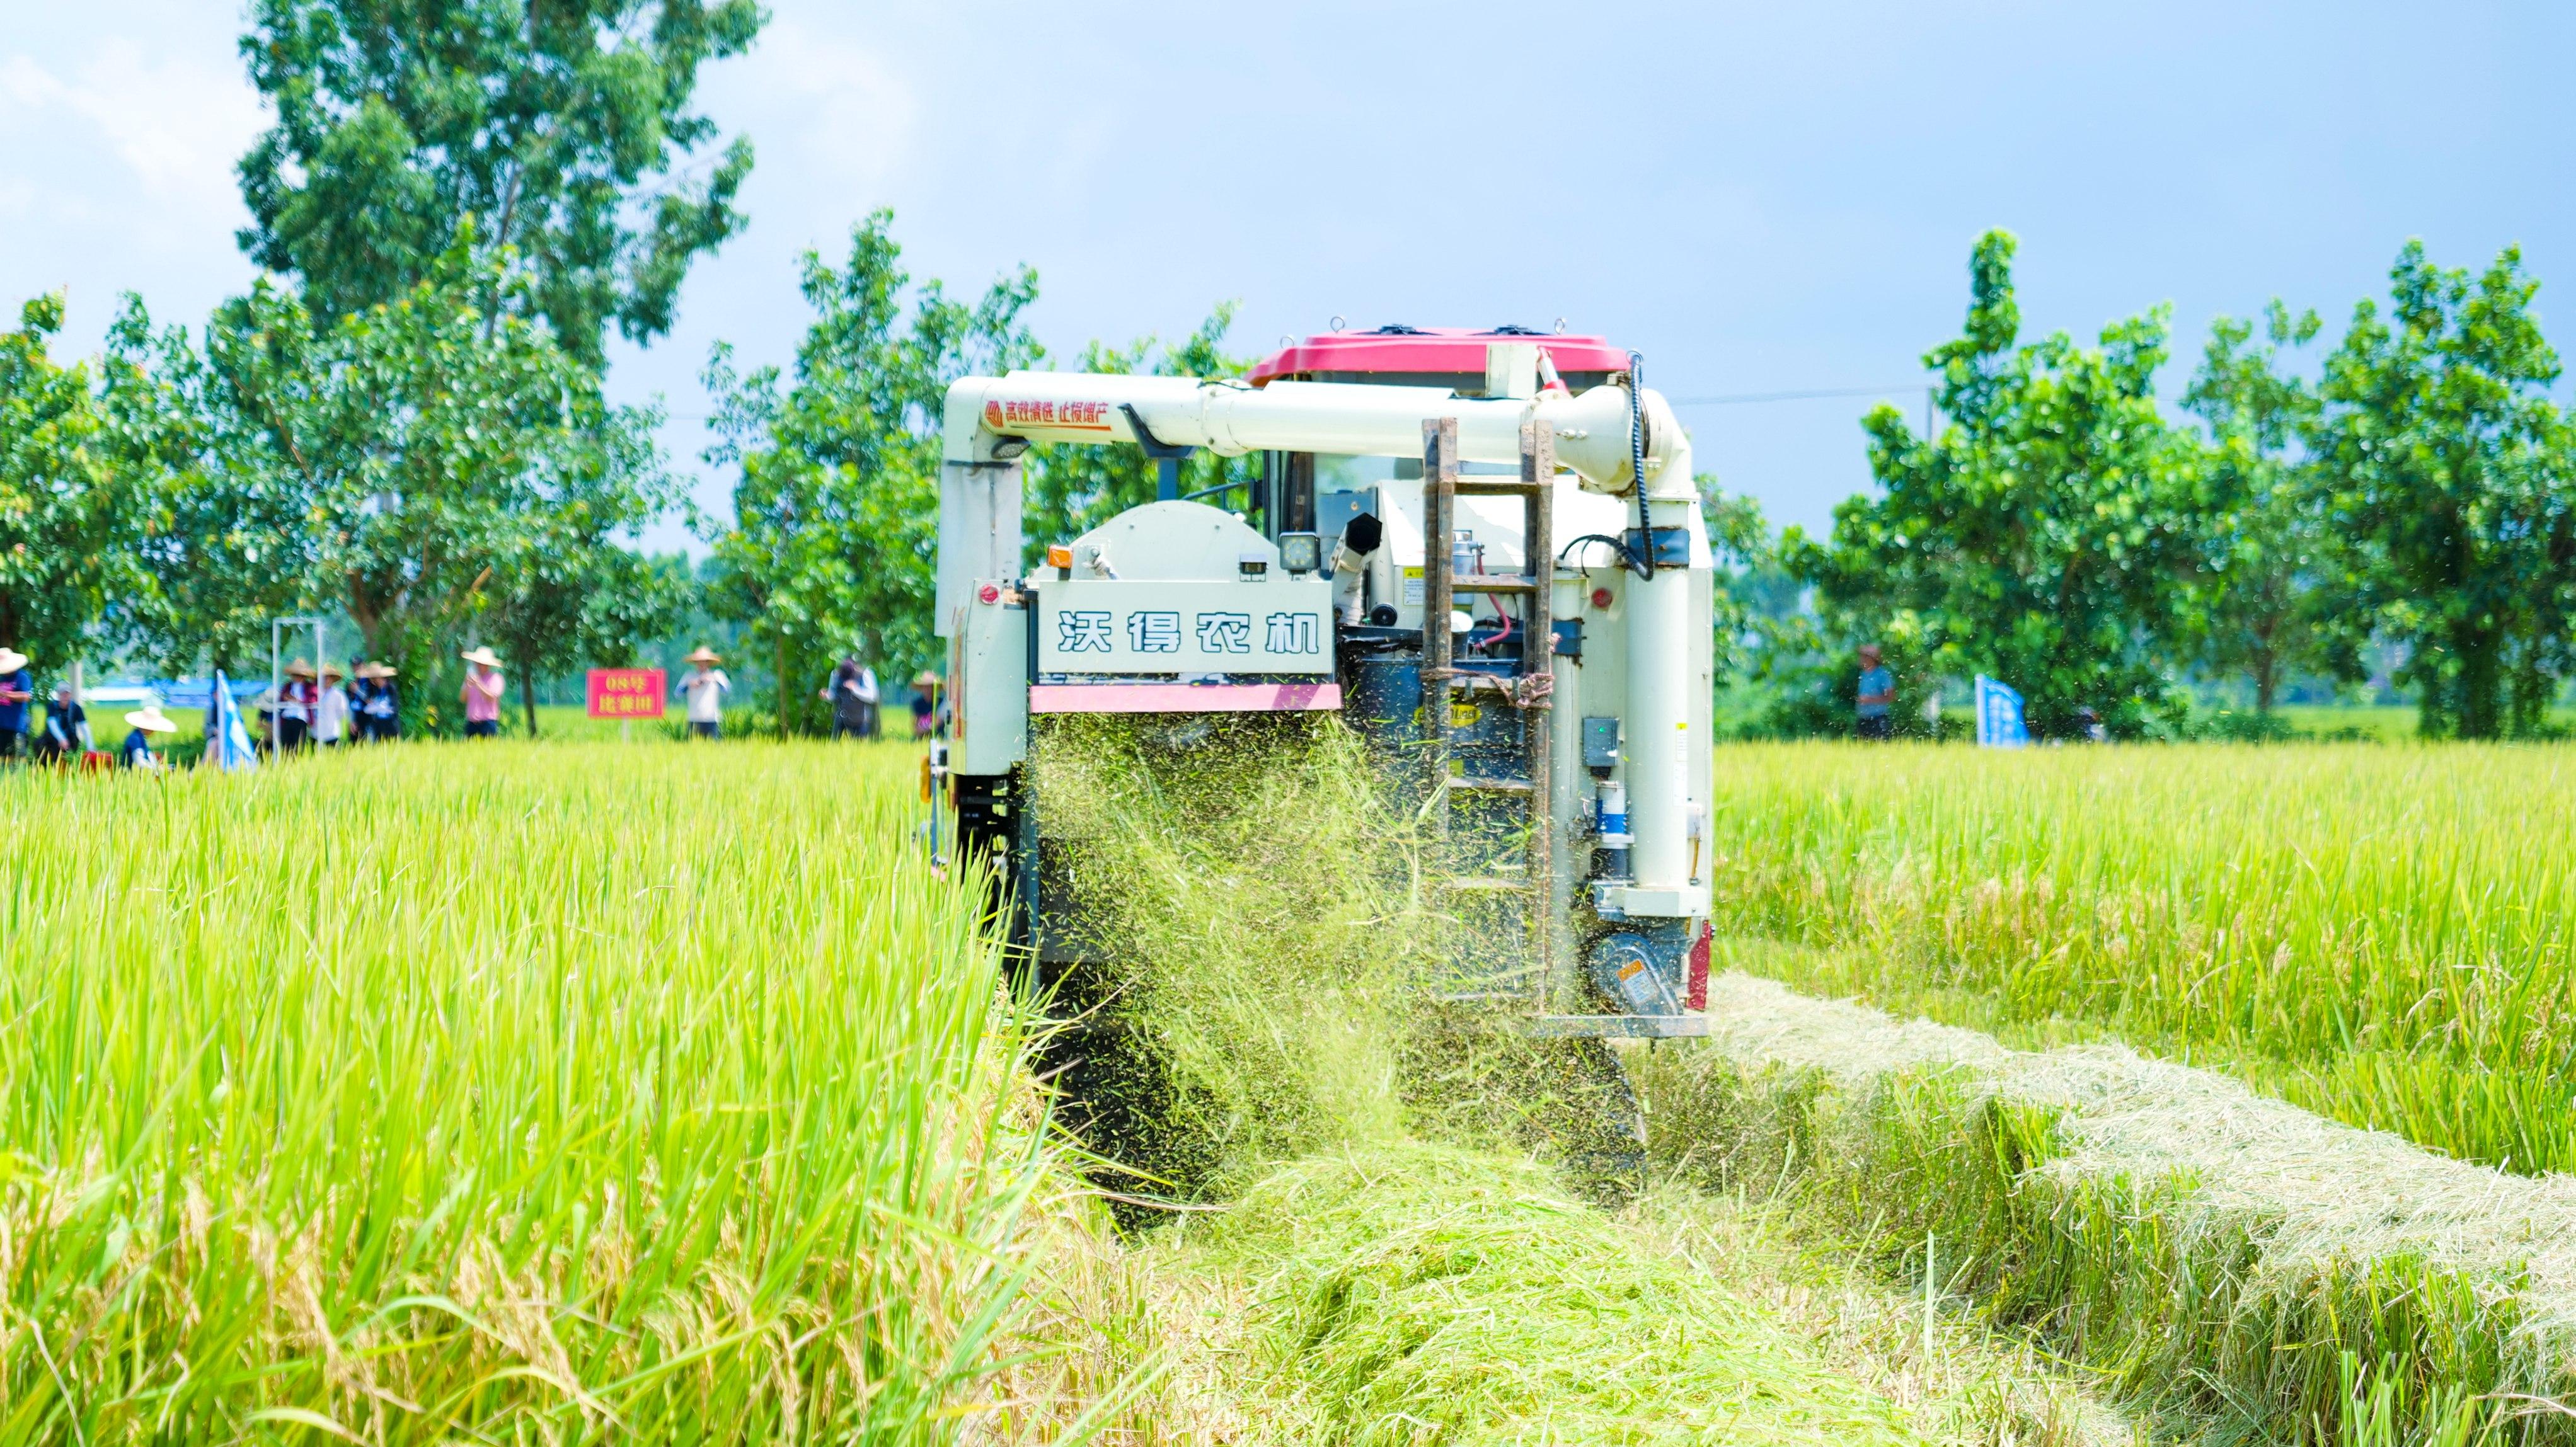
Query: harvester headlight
x=1301, y=552
x=1252, y=565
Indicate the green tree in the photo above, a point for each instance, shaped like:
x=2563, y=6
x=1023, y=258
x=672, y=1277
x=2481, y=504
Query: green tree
x=433, y=444
x=2040, y=536
x=834, y=541
x=572, y=588
x=561, y=130
x=65, y=497
x=2449, y=470
x=226, y=539
x=2265, y=600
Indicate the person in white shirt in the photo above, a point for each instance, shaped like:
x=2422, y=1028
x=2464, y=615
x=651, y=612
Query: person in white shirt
x=331, y=708
x=704, y=686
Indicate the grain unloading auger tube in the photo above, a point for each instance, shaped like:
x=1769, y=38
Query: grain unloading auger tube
x=1484, y=550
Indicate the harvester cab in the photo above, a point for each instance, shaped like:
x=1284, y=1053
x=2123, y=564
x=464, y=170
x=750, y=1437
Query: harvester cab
x=1483, y=549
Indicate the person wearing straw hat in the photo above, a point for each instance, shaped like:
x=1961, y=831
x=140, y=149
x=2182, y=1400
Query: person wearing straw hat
x=379, y=706
x=331, y=708
x=17, y=690
x=482, y=691
x=925, y=704
x=294, y=716
x=141, y=725
x=704, y=686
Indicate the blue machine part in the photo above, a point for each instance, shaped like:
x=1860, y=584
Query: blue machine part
x=1640, y=970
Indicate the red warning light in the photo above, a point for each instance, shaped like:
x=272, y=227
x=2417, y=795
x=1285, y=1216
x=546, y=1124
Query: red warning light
x=988, y=594
x=1600, y=597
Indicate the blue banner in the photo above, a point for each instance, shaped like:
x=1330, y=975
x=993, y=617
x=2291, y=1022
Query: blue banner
x=230, y=747
x=1999, y=724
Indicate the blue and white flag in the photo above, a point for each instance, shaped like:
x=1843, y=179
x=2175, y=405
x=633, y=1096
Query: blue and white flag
x=1999, y=724
x=230, y=747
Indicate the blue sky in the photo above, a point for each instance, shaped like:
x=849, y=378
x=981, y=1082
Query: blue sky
x=1761, y=198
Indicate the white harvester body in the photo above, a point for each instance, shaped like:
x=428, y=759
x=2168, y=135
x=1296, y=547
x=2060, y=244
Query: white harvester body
x=1178, y=607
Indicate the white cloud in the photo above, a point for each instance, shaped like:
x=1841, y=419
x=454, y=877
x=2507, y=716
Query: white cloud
x=836, y=106
x=177, y=124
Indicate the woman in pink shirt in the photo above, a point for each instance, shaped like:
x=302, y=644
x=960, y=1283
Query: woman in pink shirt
x=483, y=685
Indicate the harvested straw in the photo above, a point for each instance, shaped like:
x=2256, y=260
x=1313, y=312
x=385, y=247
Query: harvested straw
x=2217, y=1249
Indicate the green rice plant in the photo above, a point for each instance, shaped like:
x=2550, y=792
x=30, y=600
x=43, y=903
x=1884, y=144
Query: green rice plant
x=2384, y=934
x=513, y=1093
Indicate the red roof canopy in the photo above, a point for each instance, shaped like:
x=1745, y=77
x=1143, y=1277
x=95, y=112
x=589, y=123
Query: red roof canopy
x=1428, y=350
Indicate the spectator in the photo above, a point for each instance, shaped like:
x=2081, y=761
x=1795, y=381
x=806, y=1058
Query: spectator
x=331, y=708
x=17, y=690
x=1877, y=695
x=379, y=703
x=704, y=686
x=143, y=723
x=482, y=693
x=294, y=716
x=925, y=704
x=2088, y=726
x=66, y=727
x=853, y=696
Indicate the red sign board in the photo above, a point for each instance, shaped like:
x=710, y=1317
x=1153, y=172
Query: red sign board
x=627, y=693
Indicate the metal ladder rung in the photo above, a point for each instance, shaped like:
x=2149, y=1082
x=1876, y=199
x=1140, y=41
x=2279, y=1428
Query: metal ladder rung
x=1488, y=683
x=1499, y=487
x=1494, y=583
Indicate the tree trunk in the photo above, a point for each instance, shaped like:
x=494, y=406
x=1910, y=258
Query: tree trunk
x=528, y=695
x=782, y=685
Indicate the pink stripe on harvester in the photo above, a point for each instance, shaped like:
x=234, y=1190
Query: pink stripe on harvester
x=1182, y=697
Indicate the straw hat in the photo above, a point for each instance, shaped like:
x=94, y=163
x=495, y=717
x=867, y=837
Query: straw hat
x=927, y=679
x=332, y=670
x=481, y=655
x=373, y=669
x=11, y=660
x=703, y=655
x=151, y=721
x=299, y=669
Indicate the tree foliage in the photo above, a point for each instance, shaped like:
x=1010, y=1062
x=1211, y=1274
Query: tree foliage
x=430, y=463
x=2266, y=598
x=2040, y=536
x=834, y=541
x=560, y=129
x=66, y=489
x=2448, y=471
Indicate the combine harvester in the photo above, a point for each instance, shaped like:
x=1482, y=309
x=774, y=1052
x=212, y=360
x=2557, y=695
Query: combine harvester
x=1483, y=549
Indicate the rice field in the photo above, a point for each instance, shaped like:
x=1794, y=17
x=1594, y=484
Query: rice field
x=2383, y=934
x=524, y=1093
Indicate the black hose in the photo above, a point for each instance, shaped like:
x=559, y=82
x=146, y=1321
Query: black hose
x=1637, y=460
x=1627, y=558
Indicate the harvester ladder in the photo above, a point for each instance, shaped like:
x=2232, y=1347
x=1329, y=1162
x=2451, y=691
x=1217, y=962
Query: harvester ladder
x=1527, y=689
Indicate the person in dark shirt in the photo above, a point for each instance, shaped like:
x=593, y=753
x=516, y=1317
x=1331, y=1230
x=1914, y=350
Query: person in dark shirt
x=379, y=706
x=17, y=690
x=66, y=732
